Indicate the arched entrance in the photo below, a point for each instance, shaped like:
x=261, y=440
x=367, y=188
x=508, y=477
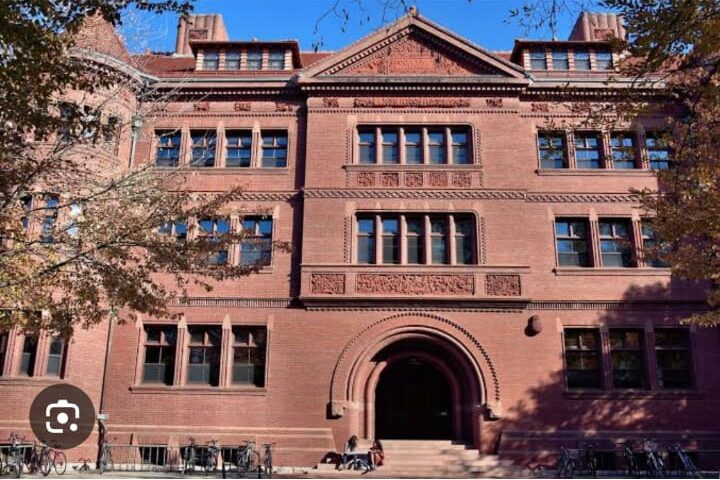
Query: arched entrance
x=413, y=400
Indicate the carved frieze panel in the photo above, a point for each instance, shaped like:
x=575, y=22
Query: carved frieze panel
x=414, y=179
x=438, y=179
x=366, y=179
x=503, y=285
x=461, y=180
x=390, y=179
x=327, y=283
x=411, y=102
x=414, y=284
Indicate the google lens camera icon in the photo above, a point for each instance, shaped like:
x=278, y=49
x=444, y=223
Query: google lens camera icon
x=61, y=415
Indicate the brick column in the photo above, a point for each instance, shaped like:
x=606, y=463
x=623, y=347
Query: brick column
x=181, y=353
x=226, y=354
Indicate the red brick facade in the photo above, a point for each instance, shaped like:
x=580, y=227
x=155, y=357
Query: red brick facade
x=465, y=226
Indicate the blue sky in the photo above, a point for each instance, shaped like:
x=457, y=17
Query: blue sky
x=485, y=22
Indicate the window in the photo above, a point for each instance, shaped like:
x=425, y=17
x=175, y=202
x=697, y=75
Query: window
x=413, y=147
x=460, y=150
x=582, y=60
x=177, y=229
x=436, y=147
x=603, y=60
x=571, y=237
x=204, y=355
x=552, y=150
x=256, y=246
x=538, y=59
x=615, y=244
x=232, y=60
x=366, y=239
x=167, y=153
x=29, y=355
x=391, y=240
x=674, y=363
x=213, y=229
x=627, y=357
x=254, y=59
x=211, y=61
x=583, y=368
x=560, y=60
x=203, y=148
x=367, y=146
x=622, y=145
x=249, y=345
x=276, y=60
x=4, y=339
x=464, y=241
x=415, y=239
x=239, y=148
x=438, y=240
x=588, y=150
x=274, y=149
x=658, y=151
x=50, y=214
x=56, y=357
x=26, y=202
x=390, y=147
x=160, y=344
x=651, y=250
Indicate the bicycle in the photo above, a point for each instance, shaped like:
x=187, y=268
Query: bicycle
x=631, y=463
x=655, y=464
x=59, y=461
x=689, y=468
x=356, y=462
x=39, y=460
x=211, y=456
x=566, y=463
x=105, y=464
x=13, y=458
x=591, y=461
x=247, y=459
x=267, y=462
x=190, y=456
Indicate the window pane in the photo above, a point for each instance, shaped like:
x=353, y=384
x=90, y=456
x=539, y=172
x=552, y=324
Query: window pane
x=588, y=150
x=415, y=240
x=239, y=148
x=390, y=147
x=211, y=60
x=582, y=60
x=203, y=148
x=464, y=241
x=603, y=60
x=571, y=242
x=29, y=352
x=615, y=244
x=254, y=60
x=167, y=153
x=582, y=360
x=460, y=149
x=560, y=60
x=438, y=240
x=626, y=352
x=391, y=240
x=436, y=145
x=413, y=147
x=276, y=60
x=623, y=150
x=232, y=61
x=274, y=150
x=537, y=59
x=552, y=150
x=367, y=147
x=366, y=249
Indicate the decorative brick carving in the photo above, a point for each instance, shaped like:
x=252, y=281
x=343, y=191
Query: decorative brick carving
x=366, y=179
x=201, y=106
x=539, y=107
x=438, y=179
x=463, y=180
x=242, y=106
x=390, y=179
x=283, y=107
x=503, y=285
x=414, y=284
x=414, y=179
x=494, y=102
x=330, y=102
x=327, y=283
x=411, y=102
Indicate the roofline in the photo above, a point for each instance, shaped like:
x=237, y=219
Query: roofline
x=293, y=44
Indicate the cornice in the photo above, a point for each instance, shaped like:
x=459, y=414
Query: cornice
x=474, y=194
x=680, y=305
x=548, y=197
x=231, y=302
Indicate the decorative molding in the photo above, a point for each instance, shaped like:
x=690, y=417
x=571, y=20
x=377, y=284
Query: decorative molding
x=414, y=179
x=389, y=179
x=494, y=102
x=411, y=102
x=438, y=179
x=268, y=196
x=419, y=194
x=503, y=285
x=231, y=302
x=483, y=247
x=413, y=284
x=582, y=198
x=462, y=180
x=366, y=179
x=679, y=305
x=327, y=283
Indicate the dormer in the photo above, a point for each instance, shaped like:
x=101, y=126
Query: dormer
x=246, y=56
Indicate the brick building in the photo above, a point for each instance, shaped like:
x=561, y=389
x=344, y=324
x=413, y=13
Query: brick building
x=466, y=258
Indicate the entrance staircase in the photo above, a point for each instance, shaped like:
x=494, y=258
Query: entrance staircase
x=433, y=458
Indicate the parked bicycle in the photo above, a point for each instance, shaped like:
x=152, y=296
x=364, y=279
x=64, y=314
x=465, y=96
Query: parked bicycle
x=13, y=461
x=267, y=461
x=566, y=464
x=247, y=460
x=105, y=463
x=631, y=461
x=689, y=468
x=591, y=460
x=653, y=459
x=212, y=452
x=39, y=460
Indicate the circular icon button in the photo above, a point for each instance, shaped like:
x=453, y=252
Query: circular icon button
x=62, y=416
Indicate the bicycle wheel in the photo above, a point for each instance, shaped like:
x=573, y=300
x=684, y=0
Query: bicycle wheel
x=268, y=465
x=106, y=462
x=59, y=462
x=210, y=463
x=44, y=461
x=15, y=464
x=253, y=463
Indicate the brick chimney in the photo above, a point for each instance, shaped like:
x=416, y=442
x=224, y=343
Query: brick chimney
x=598, y=26
x=199, y=27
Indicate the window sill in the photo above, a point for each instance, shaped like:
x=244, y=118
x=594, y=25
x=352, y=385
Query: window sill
x=22, y=380
x=611, y=272
x=639, y=394
x=411, y=166
x=593, y=172
x=198, y=390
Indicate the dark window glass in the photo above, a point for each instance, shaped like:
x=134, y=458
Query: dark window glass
x=49, y=218
x=160, y=344
x=439, y=240
x=211, y=61
x=588, y=150
x=652, y=251
x=674, y=362
x=232, y=60
x=29, y=354
x=4, y=338
x=204, y=355
x=214, y=229
x=203, y=148
x=582, y=358
x=582, y=60
x=249, y=355
x=571, y=237
x=167, y=153
x=178, y=229
x=239, y=148
x=460, y=149
x=464, y=240
x=615, y=244
x=413, y=147
x=26, y=202
x=391, y=240
x=56, y=357
x=254, y=60
x=436, y=147
x=274, y=149
x=552, y=150
x=627, y=358
x=390, y=147
x=560, y=60
x=623, y=149
x=256, y=246
x=415, y=240
x=367, y=147
x=276, y=60
x=658, y=151
x=366, y=239
x=538, y=60
x=603, y=60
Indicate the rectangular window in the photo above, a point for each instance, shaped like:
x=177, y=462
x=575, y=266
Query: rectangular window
x=538, y=59
x=211, y=61
x=582, y=358
x=177, y=229
x=239, y=148
x=160, y=344
x=622, y=145
x=391, y=240
x=415, y=240
x=214, y=229
x=274, y=149
x=588, y=150
x=603, y=60
x=204, y=355
x=49, y=219
x=367, y=147
x=658, y=151
x=56, y=357
x=582, y=60
x=552, y=150
x=256, y=245
x=571, y=237
x=615, y=243
x=27, y=202
x=366, y=239
x=627, y=357
x=652, y=251
x=560, y=60
x=674, y=362
x=460, y=150
x=276, y=60
x=29, y=355
x=439, y=240
x=4, y=339
x=464, y=241
x=254, y=59
x=413, y=147
x=249, y=344
x=436, y=147
x=203, y=148
x=390, y=147
x=232, y=60
x=167, y=152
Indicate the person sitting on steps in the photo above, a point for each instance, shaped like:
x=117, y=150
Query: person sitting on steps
x=376, y=454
